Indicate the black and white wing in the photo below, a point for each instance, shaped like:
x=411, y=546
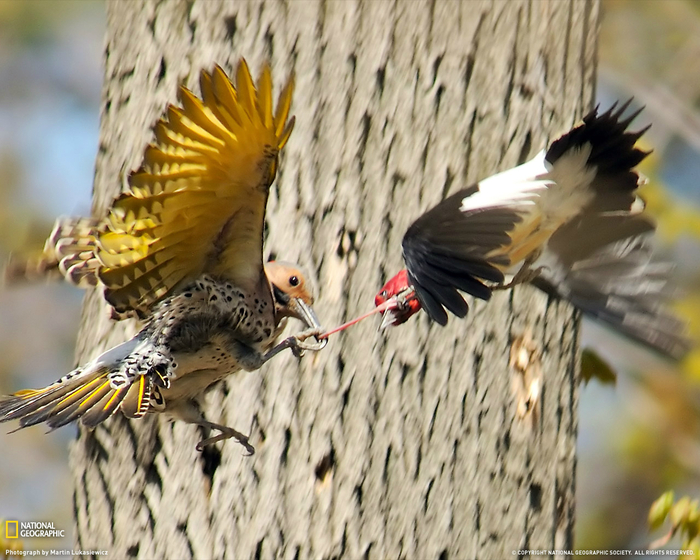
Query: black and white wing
x=450, y=249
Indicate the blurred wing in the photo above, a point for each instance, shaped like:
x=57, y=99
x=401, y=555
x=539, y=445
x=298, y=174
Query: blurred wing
x=507, y=219
x=68, y=252
x=616, y=279
x=589, y=169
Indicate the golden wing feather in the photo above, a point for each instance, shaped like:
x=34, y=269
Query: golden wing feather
x=246, y=90
x=196, y=204
x=265, y=98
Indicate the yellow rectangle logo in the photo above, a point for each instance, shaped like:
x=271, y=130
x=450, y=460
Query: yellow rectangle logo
x=9, y=524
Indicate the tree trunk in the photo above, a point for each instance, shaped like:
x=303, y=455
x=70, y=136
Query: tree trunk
x=421, y=442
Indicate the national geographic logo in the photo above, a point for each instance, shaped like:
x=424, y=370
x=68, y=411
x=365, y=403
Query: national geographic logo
x=32, y=529
x=11, y=529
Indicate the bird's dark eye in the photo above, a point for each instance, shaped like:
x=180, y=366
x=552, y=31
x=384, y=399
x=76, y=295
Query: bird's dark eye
x=383, y=293
x=293, y=281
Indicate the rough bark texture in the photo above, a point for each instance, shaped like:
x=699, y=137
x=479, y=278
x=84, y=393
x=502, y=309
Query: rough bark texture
x=417, y=443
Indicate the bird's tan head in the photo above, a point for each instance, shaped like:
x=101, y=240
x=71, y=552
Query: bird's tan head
x=291, y=292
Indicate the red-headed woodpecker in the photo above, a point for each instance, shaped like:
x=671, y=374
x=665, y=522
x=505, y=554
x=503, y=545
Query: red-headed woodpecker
x=569, y=221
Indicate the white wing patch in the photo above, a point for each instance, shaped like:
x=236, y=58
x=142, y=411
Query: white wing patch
x=519, y=186
x=557, y=192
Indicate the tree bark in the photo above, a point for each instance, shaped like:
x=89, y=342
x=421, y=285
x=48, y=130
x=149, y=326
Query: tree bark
x=422, y=442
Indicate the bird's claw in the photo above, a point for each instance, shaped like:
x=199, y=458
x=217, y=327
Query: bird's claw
x=300, y=343
x=240, y=438
x=403, y=296
x=248, y=447
x=524, y=275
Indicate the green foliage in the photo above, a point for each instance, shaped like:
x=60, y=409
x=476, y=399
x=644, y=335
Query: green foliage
x=684, y=516
x=660, y=509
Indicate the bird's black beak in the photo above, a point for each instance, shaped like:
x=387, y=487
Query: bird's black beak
x=299, y=309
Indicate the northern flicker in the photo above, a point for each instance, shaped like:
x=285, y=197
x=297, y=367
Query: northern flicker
x=181, y=248
x=205, y=332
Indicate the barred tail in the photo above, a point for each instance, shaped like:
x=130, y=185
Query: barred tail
x=91, y=393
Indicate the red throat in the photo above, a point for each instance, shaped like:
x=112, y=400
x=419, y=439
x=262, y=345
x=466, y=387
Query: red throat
x=394, y=286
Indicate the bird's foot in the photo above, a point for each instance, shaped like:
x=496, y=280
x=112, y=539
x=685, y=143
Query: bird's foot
x=524, y=275
x=299, y=343
x=404, y=296
x=226, y=433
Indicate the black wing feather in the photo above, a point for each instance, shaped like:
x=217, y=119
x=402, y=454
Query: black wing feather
x=613, y=153
x=447, y=251
x=430, y=304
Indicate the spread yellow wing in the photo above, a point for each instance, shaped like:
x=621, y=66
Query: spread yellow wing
x=197, y=203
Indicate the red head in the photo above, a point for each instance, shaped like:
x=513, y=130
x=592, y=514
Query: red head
x=404, y=308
